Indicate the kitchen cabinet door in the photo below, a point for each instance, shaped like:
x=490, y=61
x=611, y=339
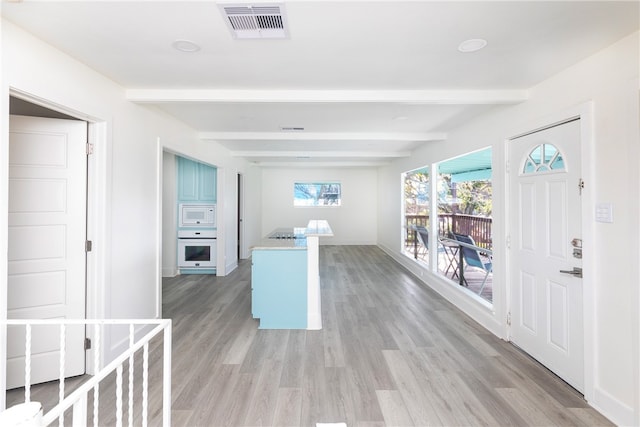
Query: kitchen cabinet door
x=196, y=181
x=279, y=288
x=187, y=180
x=207, y=183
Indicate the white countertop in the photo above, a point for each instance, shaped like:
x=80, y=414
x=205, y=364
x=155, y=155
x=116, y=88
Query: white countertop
x=281, y=244
x=318, y=227
x=281, y=238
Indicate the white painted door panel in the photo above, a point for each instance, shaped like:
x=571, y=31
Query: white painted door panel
x=47, y=231
x=547, y=305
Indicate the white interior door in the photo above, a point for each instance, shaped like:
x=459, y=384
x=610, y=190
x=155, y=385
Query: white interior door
x=546, y=304
x=47, y=233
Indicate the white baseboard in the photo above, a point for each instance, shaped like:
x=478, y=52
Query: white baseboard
x=169, y=272
x=617, y=412
x=477, y=310
x=231, y=267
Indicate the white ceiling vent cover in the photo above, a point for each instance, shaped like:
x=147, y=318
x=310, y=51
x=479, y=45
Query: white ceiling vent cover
x=264, y=21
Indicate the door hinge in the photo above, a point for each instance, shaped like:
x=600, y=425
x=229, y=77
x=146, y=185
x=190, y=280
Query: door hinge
x=89, y=148
x=88, y=245
x=580, y=186
x=506, y=166
x=508, y=241
x=509, y=319
x=87, y=343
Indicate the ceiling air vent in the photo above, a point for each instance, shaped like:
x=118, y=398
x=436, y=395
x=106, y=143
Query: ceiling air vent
x=256, y=22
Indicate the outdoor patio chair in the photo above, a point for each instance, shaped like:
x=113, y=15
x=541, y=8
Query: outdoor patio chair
x=422, y=235
x=472, y=257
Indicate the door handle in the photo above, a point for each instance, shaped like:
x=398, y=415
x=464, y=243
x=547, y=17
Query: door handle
x=577, y=272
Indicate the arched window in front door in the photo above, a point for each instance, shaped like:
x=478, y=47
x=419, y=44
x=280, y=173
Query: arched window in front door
x=544, y=158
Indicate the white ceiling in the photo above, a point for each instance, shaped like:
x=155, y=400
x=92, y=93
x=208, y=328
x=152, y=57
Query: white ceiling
x=368, y=81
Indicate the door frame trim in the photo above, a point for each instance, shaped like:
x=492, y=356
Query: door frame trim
x=584, y=112
x=163, y=146
x=97, y=219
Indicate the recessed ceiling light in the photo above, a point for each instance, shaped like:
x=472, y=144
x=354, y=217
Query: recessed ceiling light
x=400, y=118
x=185, y=46
x=472, y=45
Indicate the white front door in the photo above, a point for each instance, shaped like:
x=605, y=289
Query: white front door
x=546, y=300
x=47, y=233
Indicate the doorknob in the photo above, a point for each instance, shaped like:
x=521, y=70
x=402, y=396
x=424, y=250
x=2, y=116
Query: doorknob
x=577, y=272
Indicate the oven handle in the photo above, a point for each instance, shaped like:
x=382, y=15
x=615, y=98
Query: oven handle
x=197, y=238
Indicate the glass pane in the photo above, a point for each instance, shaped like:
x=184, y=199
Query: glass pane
x=549, y=152
x=543, y=158
x=197, y=253
x=465, y=209
x=416, y=214
x=558, y=163
x=529, y=167
x=317, y=194
x=536, y=155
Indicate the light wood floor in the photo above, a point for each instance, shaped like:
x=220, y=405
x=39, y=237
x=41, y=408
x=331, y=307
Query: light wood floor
x=391, y=353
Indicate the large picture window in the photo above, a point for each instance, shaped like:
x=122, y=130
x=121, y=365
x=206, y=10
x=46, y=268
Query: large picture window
x=459, y=194
x=317, y=194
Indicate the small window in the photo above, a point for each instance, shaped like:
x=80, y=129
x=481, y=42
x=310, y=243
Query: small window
x=543, y=158
x=317, y=194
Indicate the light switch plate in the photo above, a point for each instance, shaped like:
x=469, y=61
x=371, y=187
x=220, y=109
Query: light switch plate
x=604, y=212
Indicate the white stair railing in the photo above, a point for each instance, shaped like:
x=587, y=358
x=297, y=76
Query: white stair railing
x=78, y=399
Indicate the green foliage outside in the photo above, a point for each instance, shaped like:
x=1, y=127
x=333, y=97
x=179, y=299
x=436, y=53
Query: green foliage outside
x=416, y=193
x=469, y=198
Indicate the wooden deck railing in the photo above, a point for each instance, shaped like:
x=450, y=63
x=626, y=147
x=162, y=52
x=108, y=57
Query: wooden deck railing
x=479, y=228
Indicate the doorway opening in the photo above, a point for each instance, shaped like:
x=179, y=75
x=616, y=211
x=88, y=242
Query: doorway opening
x=240, y=214
x=48, y=220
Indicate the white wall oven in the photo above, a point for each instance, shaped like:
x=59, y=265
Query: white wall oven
x=197, y=248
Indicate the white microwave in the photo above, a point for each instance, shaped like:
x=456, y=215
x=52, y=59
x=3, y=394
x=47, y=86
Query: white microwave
x=197, y=215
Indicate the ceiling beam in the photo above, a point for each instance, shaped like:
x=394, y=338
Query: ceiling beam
x=314, y=164
x=323, y=136
x=436, y=97
x=322, y=154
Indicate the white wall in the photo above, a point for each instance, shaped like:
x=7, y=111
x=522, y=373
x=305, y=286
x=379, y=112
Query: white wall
x=169, y=215
x=125, y=195
x=353, y=223
x=609, y=80
x=4, y=214
x=252, y=214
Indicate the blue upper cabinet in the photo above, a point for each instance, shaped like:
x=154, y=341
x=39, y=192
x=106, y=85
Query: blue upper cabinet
x=207, y=184
x=196, y=181
x=187, y=180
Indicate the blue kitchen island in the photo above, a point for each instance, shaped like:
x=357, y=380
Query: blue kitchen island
x=285, y=278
